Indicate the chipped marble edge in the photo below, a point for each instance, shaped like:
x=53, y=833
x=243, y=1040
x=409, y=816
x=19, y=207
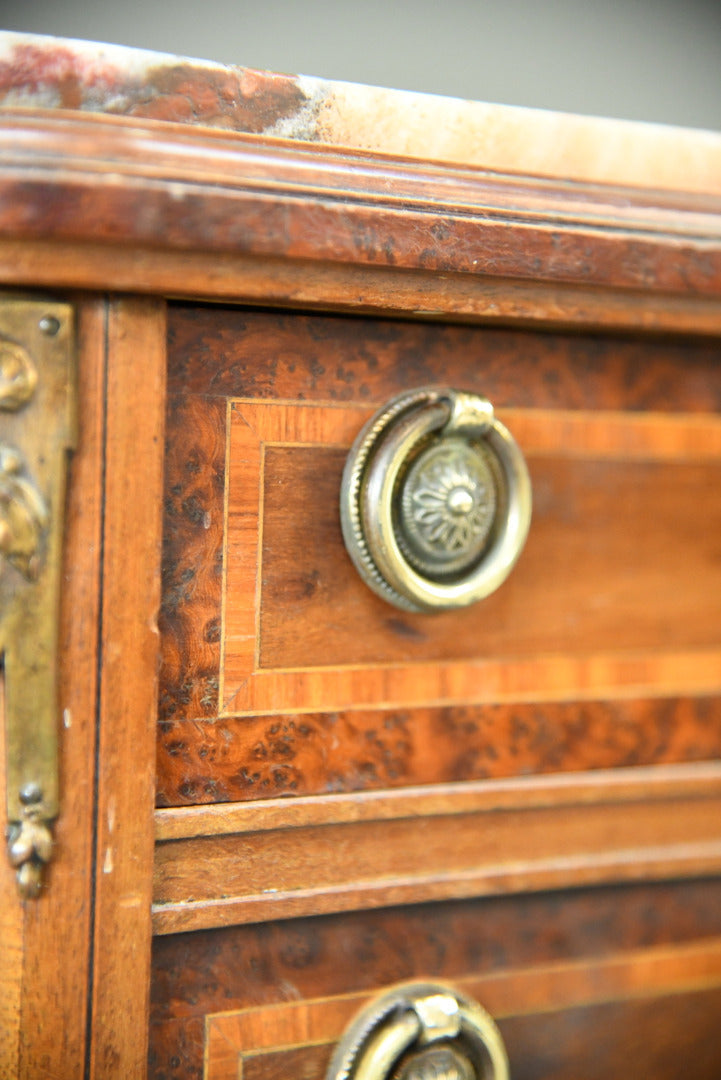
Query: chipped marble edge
x=45, y=72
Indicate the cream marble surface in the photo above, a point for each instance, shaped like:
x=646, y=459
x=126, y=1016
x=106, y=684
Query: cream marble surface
x=48, y=72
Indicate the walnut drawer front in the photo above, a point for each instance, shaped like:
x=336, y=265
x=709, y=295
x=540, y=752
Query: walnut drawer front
x=366, y=775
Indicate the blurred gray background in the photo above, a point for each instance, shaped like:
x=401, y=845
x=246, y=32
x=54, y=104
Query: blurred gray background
x=655, y=60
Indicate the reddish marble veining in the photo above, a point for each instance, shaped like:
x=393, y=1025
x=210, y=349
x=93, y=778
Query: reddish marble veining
x=39, y=72
x=133, y=82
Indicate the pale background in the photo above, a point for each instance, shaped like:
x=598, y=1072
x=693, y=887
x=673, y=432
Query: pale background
x=655, y=60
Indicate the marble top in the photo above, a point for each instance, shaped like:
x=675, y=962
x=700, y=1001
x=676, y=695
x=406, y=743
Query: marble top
x=43, y=72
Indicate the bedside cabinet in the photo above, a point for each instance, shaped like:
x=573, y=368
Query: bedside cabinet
x=377, y=614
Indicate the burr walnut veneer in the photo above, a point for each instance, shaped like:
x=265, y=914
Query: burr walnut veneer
x=280, y=795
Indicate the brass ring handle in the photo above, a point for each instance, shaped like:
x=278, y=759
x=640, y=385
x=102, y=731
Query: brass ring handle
x=418, y=1031
x=435, y=500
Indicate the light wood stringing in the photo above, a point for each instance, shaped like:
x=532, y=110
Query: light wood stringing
x=233, y=1037
x=247, y=686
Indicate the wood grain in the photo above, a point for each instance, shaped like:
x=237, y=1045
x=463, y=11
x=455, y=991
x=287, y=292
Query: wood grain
x=600, y=788
x=472, y=840
x=73, y=179
x=614, y=524
x=47, y=942
x=52, y=938
x=669, y=1036
x=294, y=284
x=163, y=209
x=250, y=758
x=672, y=1036
x=622, y=557
x=11, y=933
x=193, y=532
x=222, y=351
x=131, y=595
x=261, y=1037
x=241, y=966
x=613, y=398
x=279, y=964
x=342, y=206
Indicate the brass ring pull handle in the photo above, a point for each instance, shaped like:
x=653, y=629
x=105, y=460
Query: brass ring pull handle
x=421, y=1031
x=435, y=501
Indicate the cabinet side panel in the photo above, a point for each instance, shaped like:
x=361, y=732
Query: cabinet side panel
x=46, y=946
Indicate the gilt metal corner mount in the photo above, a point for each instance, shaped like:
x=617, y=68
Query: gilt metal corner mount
x=37, y=430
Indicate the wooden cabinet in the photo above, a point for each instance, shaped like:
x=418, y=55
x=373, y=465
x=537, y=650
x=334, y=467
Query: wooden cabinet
x=280, y=795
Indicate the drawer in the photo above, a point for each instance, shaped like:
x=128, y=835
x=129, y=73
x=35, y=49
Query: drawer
x=581, y=984
x=283, y=674
x=495, y=796
x=519, y=799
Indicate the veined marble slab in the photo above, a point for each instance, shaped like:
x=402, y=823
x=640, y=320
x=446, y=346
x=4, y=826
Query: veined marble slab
x=44, y=72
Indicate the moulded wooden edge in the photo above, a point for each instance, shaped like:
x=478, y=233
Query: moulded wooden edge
x=659, y=782
x=686, y=861
x=291, y=283
x=664, y=825
x=520, y=252
x=68, y=142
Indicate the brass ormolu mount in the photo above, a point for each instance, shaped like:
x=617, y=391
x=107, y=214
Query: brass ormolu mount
x=37, y=429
